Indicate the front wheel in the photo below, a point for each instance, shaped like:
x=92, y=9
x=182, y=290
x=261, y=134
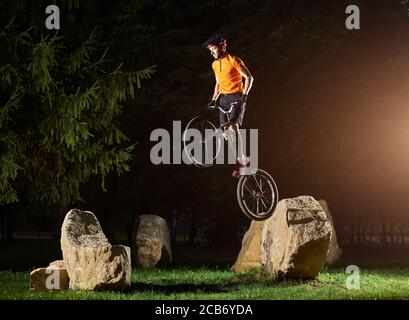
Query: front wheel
x=257, y=195
x=206, y=144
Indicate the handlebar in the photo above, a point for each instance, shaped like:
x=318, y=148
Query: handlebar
x=225, y=111
x=226, y=125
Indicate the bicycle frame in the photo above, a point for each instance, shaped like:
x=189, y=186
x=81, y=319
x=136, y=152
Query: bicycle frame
x=226, y=112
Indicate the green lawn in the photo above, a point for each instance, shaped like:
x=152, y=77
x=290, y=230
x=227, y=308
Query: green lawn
x=206, y=283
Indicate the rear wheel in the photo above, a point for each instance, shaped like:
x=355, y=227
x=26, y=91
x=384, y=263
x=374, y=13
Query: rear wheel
x=257, y=195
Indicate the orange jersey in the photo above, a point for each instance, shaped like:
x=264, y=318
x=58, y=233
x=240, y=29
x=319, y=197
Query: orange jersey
x=227, y=74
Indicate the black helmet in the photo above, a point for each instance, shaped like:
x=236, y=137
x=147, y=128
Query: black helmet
x=218, y=41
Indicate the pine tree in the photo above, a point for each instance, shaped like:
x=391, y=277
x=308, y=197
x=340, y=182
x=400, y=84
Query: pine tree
x=59, y=111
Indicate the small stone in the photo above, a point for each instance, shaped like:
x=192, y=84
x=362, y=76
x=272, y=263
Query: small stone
x=49, y=279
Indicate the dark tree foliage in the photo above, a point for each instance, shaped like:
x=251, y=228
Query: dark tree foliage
x=59, y=116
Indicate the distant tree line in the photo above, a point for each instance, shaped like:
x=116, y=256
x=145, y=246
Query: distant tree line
x=92, y=101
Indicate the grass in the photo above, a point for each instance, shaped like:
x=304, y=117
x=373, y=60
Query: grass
x=384, y=274
x=219, y=284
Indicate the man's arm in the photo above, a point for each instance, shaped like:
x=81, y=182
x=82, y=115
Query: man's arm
x=216, y=91
x=248, y=79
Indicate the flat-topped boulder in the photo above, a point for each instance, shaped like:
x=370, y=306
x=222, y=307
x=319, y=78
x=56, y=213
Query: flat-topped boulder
x=295, y=240
x=91, y=261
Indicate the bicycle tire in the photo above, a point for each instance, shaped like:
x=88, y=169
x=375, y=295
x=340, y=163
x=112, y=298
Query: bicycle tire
x=242, y=185
x=200, y=123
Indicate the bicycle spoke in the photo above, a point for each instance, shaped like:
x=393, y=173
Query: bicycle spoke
x=254, y=185
x=257, y=183
x=250, y=191
x=269, y=190
x=262, y=202
x=258, y=206
x=265, y=198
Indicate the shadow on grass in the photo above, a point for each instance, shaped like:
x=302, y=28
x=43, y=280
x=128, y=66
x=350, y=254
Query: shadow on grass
x=251, y=278
x=232, y=285
x=180, y=288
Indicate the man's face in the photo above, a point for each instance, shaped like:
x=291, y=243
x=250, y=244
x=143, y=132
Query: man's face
x=215, y=51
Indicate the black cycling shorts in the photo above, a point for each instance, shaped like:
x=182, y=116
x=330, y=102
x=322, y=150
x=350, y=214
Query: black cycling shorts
x=237, y=113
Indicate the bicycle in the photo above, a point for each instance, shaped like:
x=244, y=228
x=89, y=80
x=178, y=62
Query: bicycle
x=257, y=192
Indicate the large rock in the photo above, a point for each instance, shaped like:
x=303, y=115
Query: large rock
x=54, y=277
x=91, y=261
x=58, y=264
x=334, y=250
x=295, y=240
x=249, y=256
x=151, y=241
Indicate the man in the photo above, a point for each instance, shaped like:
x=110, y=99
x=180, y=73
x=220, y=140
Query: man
x=229, y=71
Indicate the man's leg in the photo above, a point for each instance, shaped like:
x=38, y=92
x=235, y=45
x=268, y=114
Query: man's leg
x=222, y=117
x=237, y=118
x=236, y=143
x=239, y=143
x=234, y=136
x=229, y=135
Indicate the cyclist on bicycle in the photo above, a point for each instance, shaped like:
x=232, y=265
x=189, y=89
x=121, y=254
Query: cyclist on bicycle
x=229, y=71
